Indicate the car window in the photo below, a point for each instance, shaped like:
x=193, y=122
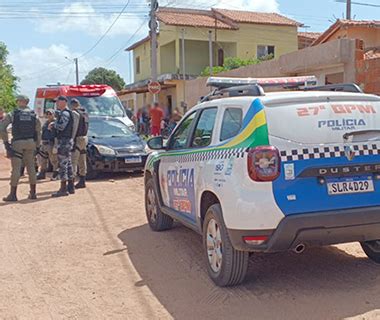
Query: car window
x=180, y=137
x=231, y=124
x=108, y=128
x=204, y=129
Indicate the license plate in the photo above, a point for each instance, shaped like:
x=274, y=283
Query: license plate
x=133, y=160
x=349, y=187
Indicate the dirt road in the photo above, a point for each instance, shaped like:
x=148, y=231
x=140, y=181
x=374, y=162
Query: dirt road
x=92, y=256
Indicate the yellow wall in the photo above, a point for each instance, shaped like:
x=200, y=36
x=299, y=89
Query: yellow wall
x=143, y=52
x=370, y=36
x=241, y=43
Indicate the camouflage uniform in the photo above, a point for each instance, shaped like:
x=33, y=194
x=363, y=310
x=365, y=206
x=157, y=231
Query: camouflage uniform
x=65, y=145
x=64, y=128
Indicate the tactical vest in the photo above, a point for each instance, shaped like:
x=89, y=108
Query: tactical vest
x=83, y=123
x=68, y=131
x=24, y=125
x=47, y=135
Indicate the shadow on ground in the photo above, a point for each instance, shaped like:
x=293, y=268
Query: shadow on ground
x=322, y=283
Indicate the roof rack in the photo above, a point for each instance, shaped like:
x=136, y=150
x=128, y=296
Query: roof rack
x=342, y=87
x=239, y=87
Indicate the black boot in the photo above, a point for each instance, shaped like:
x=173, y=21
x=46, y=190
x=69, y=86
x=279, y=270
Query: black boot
x=41, y=175
x=55, y=176
x=32, y=193
x=70, y=186
x=12, y=197
x=81, y=184
x=62, y=192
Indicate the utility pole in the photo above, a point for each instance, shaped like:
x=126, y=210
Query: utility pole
x=211, y=54
x=348, y=10
x=76, y=71
x=184, y=106
x=153, y=36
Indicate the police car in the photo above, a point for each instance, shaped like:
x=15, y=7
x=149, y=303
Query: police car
x=270, y=172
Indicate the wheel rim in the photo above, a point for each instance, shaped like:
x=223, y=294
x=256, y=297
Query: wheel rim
x=214, y=246
x=151, y=206
x=374, y=246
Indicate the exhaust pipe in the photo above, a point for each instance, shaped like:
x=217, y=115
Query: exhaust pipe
x=299, y=248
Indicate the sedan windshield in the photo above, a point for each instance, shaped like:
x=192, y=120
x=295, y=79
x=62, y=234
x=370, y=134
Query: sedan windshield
x=103, y=106
x=108, y=128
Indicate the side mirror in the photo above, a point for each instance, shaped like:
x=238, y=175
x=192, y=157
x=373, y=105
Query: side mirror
x=156, y=143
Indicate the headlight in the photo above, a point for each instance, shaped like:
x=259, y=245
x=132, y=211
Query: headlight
x=132, y=127
x=105, y=151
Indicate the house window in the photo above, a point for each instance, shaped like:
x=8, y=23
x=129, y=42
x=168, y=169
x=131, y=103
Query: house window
x=263, y=51
x=220, y=57
x=138, y=70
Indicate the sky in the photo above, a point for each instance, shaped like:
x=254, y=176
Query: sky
x=43, y=37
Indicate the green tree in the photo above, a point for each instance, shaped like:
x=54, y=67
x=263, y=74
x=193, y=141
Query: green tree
x=8, y=81
x=105, y=76
x=234, y=63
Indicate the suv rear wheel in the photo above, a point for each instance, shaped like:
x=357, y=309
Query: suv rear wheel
x=225, y=265
x=158, y=221
x=372, y=250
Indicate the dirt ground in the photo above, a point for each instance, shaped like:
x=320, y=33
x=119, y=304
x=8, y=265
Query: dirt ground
x=92, y=256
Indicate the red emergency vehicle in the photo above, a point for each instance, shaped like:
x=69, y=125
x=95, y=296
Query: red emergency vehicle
x=98, y=100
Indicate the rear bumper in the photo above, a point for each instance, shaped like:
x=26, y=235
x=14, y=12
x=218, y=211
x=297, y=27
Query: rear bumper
x=314, y=229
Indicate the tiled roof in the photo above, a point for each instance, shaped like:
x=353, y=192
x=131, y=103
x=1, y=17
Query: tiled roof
x=257, y=17
x=138, y=43
x=310, y=35
x=345, y=23
x=215, y=18
x=191, y=18
x=372, y=54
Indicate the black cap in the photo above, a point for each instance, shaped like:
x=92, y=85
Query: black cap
x=61, y=98
x=74, y=101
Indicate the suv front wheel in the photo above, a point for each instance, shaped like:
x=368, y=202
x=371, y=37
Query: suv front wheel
x=372, y=250
x=158, y=221
x=225, y=265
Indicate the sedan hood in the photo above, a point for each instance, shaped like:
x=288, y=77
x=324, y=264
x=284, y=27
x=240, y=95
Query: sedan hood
x=120, y=144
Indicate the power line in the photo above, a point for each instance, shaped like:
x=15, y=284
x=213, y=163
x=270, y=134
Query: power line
x=361, y=3
x=107, y=31
x=114, y=55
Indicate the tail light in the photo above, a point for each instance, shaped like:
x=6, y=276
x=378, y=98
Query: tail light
x=255, y=241
x=264, y=164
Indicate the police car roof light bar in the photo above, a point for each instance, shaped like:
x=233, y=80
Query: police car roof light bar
x=285, y=82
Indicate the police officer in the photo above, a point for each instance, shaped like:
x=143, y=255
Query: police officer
x=79, y=156
x=64, y=126
x=46, y=153
x=26, y=139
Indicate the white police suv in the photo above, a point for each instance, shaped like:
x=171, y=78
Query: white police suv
x=257, y=172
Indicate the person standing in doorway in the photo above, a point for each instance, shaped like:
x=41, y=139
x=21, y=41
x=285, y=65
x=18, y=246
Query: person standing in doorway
x=79, y=156
x=156, y=116
x=64, y=127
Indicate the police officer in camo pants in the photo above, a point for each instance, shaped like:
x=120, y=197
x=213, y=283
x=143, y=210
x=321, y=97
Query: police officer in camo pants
x=79, y=156
x=64, y=126
x=26, y=139
x=46, y=153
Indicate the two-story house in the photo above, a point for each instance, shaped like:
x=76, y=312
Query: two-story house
x=232, y=33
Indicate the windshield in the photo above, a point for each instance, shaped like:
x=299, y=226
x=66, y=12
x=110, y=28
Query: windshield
x=103, y=106
x=108, y=128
